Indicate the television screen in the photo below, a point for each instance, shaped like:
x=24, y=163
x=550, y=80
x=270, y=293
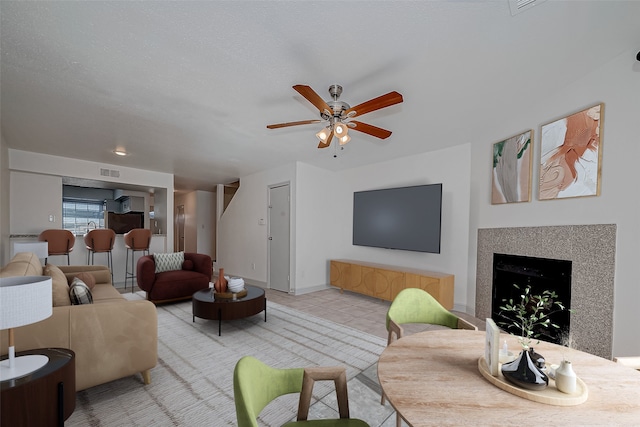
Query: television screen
x=405, y=218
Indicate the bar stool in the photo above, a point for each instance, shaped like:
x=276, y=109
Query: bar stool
x=136, y=240
x=60, y=242
x=100, y=240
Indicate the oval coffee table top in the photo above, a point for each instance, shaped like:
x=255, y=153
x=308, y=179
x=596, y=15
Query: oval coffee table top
x=207, y=296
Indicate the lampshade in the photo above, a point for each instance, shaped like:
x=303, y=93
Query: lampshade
x=323, y=135
x=344, y=139
x=340, y=130
x=23, y=300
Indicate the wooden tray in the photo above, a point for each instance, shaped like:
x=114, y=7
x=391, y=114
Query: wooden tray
x=229, y=295
x=550, y=395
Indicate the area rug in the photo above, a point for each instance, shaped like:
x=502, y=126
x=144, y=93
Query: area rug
x=192, y=385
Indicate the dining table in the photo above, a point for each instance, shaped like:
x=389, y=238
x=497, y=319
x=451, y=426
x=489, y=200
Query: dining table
x=433, y=378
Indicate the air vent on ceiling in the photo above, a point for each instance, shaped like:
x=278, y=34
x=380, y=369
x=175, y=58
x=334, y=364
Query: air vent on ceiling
x=518, y=6
x=109, y=172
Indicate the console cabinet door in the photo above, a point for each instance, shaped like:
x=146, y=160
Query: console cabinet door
x=386, y=282
x=441, y=288
x=339, y=274
x=368, y=280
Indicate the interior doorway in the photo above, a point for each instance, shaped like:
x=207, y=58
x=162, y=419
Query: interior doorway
x=179, y=229
x=279, y=237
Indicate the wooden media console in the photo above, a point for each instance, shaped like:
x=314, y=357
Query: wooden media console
x=386, y=281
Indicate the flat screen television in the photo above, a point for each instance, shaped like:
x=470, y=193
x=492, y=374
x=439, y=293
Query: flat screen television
x=407, y=218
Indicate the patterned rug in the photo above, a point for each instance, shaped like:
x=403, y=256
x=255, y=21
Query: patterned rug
x=192, y=385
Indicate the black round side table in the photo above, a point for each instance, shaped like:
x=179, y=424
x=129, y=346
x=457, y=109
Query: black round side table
x=45, y=397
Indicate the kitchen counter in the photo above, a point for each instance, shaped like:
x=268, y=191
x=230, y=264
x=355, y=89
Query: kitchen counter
x=79, y=254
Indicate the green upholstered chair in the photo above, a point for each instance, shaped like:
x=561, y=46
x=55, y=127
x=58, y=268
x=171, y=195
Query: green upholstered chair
x=256, y=384
x=413, y=305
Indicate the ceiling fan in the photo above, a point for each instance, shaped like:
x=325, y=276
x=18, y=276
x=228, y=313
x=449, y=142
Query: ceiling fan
x=339, y=115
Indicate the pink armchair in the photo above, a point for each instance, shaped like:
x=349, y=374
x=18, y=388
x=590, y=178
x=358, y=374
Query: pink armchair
x=174, y=285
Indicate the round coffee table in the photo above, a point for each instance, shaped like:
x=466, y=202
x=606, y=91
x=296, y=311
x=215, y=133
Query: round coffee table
x=205, y=306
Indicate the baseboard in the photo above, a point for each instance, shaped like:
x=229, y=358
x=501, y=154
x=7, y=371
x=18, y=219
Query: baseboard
x=308, y=290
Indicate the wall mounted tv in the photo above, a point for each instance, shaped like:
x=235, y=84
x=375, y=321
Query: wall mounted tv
x=406, y=218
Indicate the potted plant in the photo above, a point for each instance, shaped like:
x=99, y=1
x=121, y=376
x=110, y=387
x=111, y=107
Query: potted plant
x=529, y=316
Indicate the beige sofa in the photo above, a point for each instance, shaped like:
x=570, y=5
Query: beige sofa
x=112, y=338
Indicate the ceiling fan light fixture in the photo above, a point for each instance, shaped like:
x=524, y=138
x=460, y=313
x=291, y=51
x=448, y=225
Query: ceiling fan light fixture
x=344, y=139
x=323, y=135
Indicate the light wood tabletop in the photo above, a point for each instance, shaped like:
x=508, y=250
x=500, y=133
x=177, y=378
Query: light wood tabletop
x=432, y=379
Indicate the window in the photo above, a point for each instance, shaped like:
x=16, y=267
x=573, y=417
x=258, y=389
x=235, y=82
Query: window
x=79, y=216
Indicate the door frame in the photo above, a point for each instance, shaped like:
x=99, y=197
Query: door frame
x=291, y=276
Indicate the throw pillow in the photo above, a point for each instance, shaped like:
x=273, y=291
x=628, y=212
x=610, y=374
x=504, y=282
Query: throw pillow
x=59, y=285
x=80, y=293
x=168, y=262
x=187, y=264
x=87, y=278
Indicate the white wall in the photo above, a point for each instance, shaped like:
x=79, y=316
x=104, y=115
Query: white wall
x=451, y=167
x=5, y=250
x=317, y=226
x=241, y=239
x=205, y=220
x=322, y=219
x=617, y=85
x=31, y=215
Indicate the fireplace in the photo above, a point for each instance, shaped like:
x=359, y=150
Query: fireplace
x=513, y=273
x=592, y=252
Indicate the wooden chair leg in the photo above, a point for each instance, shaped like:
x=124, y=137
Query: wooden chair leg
x=338, y=375
x=146, y=376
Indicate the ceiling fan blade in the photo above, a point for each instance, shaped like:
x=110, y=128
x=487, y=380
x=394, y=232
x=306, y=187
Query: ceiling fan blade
x=284, y=125
x=311, y=96
x=382, y=101
x=326, y=144
x=370, y=129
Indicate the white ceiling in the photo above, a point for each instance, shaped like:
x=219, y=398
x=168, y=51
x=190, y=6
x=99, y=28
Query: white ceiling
x=188, y=87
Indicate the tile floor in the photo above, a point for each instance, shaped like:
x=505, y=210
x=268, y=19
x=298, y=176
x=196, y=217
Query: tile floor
x=347, y=308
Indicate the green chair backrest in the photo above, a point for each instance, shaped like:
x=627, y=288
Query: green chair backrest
x=413, y=305
x=256, y=384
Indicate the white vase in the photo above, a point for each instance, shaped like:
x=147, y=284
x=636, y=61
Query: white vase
x=566, y=378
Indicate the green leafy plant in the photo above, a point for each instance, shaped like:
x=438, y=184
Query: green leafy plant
x=530, y=314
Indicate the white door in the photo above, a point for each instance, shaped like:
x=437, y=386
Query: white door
x=279, y=231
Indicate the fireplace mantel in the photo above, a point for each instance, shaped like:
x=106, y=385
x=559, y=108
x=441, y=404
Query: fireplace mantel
x=591, y=248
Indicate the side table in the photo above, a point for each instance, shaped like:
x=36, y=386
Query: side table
x=46, y=397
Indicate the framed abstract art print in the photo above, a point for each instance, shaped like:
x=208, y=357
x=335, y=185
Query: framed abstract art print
x=512, y=160
x=571, y=155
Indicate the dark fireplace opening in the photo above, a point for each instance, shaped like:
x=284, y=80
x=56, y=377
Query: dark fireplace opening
x=540, y=274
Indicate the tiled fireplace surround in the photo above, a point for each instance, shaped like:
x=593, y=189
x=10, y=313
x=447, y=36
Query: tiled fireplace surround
x=591, y=248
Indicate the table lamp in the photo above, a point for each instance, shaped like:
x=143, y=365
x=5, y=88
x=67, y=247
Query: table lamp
x=23, y=300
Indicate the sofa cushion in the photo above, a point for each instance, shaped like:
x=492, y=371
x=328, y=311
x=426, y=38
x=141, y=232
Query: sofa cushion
x=87, y=278
x=22, y=264
x=169, y=261
x=79, y=293
x=60, y=285
x=187, y=265
x=106, y=293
